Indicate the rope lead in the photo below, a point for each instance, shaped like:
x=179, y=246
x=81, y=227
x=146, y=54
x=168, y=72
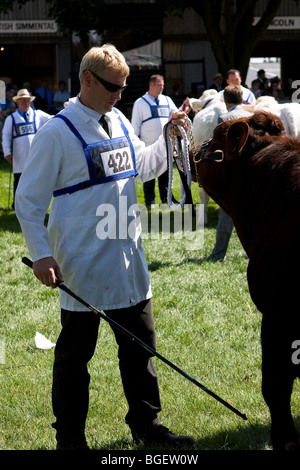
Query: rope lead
x=175, y=151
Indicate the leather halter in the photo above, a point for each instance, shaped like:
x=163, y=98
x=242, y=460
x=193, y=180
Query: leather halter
x=216, y=156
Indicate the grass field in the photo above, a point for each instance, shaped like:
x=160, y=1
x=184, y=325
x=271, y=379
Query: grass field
x=206, y=324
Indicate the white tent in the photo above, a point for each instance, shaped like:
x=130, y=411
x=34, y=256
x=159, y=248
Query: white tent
x=145, y=57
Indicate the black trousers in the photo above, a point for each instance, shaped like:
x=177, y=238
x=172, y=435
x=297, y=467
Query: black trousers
x=74, y=349
x=149, y=189
x=17, y=177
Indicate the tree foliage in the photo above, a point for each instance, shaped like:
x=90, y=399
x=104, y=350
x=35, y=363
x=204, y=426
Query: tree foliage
x=229, y=23
x=229, y=26
x=7, y=5
x=78, y=16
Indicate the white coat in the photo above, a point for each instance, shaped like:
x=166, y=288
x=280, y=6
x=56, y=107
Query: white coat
x=107, y=271
x=248, y=95
x=19, y=144
x=145, y=126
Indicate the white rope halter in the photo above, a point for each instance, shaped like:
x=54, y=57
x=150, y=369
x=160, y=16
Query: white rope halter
x=174, y=150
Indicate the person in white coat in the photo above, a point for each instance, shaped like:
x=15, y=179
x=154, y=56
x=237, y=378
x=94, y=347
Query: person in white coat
x=88, y=157
x=233, y=77
x=18, y=131
x=149, y=116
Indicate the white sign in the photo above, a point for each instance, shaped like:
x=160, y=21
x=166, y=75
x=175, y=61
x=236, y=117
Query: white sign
x=28, y=26
x=282, y=22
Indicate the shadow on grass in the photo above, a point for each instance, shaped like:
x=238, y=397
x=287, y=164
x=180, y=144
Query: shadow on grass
x=251, y=437
x=156, y=264
x=9, y=221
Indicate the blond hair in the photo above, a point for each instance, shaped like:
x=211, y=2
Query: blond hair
x=98, y=59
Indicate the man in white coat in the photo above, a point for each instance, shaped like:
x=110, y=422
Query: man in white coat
x=149, y=116
x=88, y=156
x=18, y=131
x=233, y=77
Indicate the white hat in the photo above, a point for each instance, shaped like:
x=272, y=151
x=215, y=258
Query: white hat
x=23, y=93
x=206, y=96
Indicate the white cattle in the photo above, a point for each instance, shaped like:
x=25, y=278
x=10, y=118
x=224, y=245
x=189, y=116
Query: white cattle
x=288, y=112
x=208, y=108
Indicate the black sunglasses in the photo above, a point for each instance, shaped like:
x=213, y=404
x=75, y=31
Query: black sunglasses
x=112, y=87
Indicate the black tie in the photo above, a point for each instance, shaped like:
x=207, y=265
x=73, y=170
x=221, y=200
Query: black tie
x=104, y=124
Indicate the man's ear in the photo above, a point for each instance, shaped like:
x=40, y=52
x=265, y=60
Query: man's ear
x=237, y=135
x=87, y=78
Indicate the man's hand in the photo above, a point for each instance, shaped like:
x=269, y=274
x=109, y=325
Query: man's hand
x=47, y=270
x=178, y=118
x=9, y=159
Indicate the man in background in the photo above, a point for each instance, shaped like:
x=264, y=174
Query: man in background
x=233, y=97
x=18, y=132
x=61, y=96
x=44, y=97
x=233, y=77
x=149, y=115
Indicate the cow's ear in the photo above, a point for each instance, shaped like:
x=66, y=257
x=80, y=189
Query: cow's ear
x=238, y=134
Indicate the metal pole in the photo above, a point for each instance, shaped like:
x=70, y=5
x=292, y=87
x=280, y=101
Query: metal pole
x=9, y=187
x=134, y=338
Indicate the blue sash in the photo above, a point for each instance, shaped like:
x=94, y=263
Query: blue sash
x=246, y=101
x=158, y=110
x=24, y=128
x=107, y=160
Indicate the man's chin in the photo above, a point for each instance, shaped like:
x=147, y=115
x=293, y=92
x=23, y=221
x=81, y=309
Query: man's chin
x=110, y=107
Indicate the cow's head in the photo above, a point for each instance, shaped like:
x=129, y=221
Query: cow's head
x=245, y=136
x=227, y=142
x=218, y=164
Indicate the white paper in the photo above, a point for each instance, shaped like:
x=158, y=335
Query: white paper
x=42, y=342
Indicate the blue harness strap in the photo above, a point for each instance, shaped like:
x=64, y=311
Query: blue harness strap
x=84, y=145
x=154, y=110
x=125, y=130
x=246, y=101
x=73, y=128
x=94, y=180
x=17, y=125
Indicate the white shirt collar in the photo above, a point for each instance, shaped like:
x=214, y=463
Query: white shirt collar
x=91, y=112
x=233, y=107
x=152, y=97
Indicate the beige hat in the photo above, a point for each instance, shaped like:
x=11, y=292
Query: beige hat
x=206, y=96
x=23, y=93
x=218, y=75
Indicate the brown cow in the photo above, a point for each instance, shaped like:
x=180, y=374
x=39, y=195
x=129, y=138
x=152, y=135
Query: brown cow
x=251, y=168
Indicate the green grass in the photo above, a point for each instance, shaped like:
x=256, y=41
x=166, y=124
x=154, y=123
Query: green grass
x=206, y=324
